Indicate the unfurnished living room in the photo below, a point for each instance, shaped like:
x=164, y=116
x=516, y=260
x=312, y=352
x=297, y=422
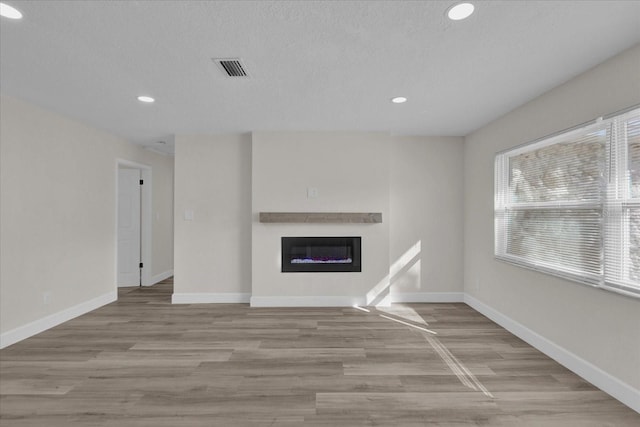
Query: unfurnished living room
x=319, y=213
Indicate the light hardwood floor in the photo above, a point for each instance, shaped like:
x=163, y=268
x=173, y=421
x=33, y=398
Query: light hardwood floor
x=144, y=362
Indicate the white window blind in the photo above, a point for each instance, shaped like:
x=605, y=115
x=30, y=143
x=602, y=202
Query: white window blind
x=622, y=207
x=569, y=205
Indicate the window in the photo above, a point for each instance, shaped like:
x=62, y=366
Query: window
x=569, y=205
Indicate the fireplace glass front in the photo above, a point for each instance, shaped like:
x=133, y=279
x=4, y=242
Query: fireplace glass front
x=321, y=254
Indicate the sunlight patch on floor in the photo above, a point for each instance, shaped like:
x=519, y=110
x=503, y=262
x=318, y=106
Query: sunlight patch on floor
x=463, y=374
x=408, y=324
x=366, y=310
x=404, y=312
x=460, y=371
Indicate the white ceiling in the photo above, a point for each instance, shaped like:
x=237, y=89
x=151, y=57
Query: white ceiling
x=314, y=65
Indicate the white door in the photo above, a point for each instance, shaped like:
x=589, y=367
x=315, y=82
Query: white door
x=128, y=227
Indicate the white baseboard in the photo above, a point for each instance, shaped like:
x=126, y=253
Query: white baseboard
x=409, y=297
x=160, y=277
x=305, y=301
x=30, y=329
x=596, y=376
x=350, y=301
x=210, y=298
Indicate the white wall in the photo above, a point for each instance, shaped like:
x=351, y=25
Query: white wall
x=213, y=251
x=426, y=216
x=58, y=189
x=351, y=173
x=599, y=327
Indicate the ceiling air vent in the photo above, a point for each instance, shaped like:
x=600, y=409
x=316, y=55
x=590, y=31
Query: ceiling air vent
x=232, y=67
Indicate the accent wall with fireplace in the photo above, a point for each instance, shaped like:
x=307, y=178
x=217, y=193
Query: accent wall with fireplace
x=401, y=195
x=319, y=172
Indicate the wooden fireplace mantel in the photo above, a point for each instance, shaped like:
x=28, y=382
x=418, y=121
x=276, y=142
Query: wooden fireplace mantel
x=323, y=217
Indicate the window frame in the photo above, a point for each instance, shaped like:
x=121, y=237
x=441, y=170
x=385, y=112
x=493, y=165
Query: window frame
x=614, y=172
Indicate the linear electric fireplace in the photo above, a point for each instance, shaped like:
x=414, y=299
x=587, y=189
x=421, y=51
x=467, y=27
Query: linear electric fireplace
x=321, y=254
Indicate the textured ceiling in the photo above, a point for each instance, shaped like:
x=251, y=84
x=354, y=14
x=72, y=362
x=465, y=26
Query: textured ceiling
x=323, y=65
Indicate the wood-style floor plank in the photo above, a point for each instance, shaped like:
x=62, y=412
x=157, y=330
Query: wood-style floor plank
x=142, y=361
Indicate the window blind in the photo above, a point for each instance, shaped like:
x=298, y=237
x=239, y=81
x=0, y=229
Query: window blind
x=569, y=205
x=622, y=205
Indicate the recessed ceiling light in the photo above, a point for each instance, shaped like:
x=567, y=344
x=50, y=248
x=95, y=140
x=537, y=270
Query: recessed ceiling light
x=146, y=99
x=460, y=11
x=399, y=100
x=9, y=11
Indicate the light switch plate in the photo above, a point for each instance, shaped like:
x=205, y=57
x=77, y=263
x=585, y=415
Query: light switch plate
x=188, y=215
x=312, y=192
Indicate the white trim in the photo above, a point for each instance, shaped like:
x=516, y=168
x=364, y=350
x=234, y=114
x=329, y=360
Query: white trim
x=596, y=376
x=146, y=213
x=308, y=301
x=409, y=297
x=160, y=277
x=30, y=329
x=209, y=298
x=311, y=301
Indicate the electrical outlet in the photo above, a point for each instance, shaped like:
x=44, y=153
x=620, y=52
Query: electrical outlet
x=46, y=297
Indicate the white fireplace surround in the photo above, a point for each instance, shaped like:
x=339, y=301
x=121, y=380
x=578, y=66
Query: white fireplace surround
x=324, y=179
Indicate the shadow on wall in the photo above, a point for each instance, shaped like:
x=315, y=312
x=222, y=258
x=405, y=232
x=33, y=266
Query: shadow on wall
x=408, y=264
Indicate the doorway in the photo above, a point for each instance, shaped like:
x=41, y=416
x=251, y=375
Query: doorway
x=133, y=224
